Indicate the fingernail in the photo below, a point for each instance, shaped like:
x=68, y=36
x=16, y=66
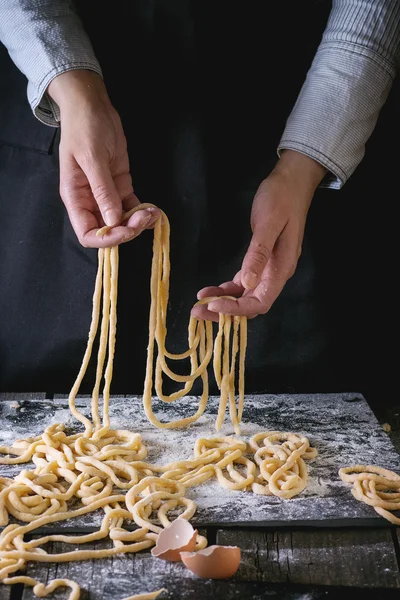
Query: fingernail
x=211, y=306
x=112, y=217
x=249, y=280
x=153, y=215
x=129, y=236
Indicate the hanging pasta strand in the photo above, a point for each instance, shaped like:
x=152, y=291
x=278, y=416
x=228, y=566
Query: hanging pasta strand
x=102, y=351
x=242, y=358
x=198, y=330
x=88, y=353
x=105, y=469
x=88, y=466
x=112, y=334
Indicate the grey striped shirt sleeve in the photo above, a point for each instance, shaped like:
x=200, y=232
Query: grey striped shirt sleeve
x=336, y=110
x=347, y=85
x=45, y=38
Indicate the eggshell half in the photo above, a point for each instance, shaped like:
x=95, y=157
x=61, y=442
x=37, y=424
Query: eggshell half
x=174, y=539
x=214, y=562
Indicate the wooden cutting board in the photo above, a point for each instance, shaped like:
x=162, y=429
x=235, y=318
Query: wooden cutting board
x=341, y=426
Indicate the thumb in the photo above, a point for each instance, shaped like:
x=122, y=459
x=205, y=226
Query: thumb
x=104, y=192
x=256, y=258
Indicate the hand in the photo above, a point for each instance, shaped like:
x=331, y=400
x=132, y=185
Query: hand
x=95, y=182
x=278, y=219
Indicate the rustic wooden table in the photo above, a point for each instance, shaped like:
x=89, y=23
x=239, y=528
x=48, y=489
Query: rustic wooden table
x=293, y=563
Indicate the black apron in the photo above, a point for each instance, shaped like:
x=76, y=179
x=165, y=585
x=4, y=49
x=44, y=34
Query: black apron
x=203, y=90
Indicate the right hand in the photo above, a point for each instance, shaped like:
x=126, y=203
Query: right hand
x=278, y=219
x=95, y=182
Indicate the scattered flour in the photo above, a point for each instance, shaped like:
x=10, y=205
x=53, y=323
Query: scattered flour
x=343, y=430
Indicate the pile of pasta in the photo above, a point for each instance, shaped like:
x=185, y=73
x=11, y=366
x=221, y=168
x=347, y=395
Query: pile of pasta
x=377, y=487
x=105, y=469
x=75, y=475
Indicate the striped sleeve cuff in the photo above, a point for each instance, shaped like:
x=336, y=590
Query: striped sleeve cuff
x=338, y=107
x=44, y=39
x=43, y=106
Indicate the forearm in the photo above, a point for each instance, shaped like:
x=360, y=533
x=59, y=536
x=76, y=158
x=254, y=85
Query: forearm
x=77, y=90
x=44, y=39
x=300, y=168
x=346, y=86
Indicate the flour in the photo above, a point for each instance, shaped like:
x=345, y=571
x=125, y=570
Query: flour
x=343, y=430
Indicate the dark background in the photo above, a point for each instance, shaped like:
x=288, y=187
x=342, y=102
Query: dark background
x=203, y=94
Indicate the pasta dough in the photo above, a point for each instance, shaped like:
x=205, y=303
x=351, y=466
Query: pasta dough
x=101, y=468
x=375, y=486
x=230, y=341
x=39, y=497
x=150, y=596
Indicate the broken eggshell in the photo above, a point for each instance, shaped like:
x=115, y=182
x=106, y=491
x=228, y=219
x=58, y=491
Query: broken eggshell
x=179, y=536
x=214, y=562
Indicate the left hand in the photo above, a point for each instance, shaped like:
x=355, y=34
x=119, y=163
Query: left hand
x=95, y=180
x=278, y=219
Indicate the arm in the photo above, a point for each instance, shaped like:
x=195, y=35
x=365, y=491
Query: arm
x=47, y=42
x=44, y=39
x=278, y=219
x=323, y=142
x=346, y=87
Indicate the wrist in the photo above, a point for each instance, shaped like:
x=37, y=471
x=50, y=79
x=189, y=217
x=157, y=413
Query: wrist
x=78, y=87
x=300, y=168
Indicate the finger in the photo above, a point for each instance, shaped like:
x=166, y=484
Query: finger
x=113, y=237
x=228, y=288
x=256, y=258
x=143, y=219
x=123, y=184
x=246, y=306
x=86, y=226
x=251, y=303
x=258, y=301
x=201, y=312
x=228, y=306
x=94, y=238
x=268, y=223
x=238, y=279
x=103, y=189
x=136, y=224
x=130, y=200
x=83, y=222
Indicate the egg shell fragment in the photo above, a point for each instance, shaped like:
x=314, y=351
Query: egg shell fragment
x=179, y=536
x=214, y=562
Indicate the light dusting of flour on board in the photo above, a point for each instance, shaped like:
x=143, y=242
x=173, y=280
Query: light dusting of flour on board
x=342, y=428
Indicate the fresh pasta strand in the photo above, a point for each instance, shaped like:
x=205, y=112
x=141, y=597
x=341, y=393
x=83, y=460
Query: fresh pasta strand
x=106, y=469
x=377, y=487
x=200, y=341
x=159, y=488
x=150, y=596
